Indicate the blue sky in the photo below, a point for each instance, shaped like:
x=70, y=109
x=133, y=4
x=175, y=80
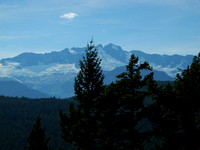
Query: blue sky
x=153, y=26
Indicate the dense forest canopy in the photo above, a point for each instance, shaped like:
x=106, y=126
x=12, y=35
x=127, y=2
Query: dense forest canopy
x=17, y=116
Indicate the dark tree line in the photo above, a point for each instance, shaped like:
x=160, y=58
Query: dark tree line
x=134, y=112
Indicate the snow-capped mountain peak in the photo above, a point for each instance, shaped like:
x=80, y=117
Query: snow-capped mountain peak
x=53, y=73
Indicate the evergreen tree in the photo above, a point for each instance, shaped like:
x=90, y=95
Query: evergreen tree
x=187, y=86
x=175, y=114
x=132, y=90
x=89, y=81
x=121, y=106
x=79, y=127
x=36, y=139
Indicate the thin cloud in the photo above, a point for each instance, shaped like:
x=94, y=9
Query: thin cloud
x=69, y=16
x=6, y=38
x=6, y=6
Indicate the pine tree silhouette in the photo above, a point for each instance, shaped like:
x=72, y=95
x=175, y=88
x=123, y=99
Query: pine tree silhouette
x=36, y=139
x=79, y=127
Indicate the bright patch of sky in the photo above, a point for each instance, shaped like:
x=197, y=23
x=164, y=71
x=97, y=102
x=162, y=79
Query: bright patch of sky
x=152, y=26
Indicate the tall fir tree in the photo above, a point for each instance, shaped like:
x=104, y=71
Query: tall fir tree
x=122, y=112
x=36, y=139
x=89, y=81
x=79, y=127
x=132, y=90
x=187, y=88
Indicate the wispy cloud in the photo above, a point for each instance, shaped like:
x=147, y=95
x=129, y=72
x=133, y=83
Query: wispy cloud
x=69, y=16
x=6, y=6
x=12, y=37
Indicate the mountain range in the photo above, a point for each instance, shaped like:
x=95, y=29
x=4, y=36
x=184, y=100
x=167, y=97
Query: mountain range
x=53, y=73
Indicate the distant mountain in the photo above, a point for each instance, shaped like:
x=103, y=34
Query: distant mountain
x=32, y=59
x=53, y=73
x=166, y=63
x=16, y=89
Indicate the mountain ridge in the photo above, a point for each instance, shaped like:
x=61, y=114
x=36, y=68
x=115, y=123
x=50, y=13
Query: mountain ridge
x=53, y=73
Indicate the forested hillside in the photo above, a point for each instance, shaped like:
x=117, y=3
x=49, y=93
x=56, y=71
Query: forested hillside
x=17, y=116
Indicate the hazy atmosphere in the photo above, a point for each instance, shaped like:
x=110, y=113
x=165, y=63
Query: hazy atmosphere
x=152, y=26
